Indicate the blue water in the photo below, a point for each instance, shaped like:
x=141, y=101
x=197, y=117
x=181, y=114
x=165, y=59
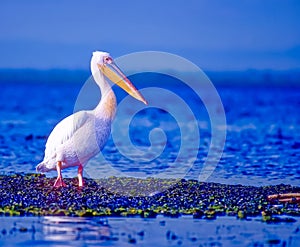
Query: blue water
x=262, y=133
x=262, y=147
x=185, y=231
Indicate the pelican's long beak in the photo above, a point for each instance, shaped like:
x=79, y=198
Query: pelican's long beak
x=113, y=73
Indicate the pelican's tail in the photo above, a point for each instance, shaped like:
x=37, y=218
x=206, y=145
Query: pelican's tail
x=41, y=167
x=45, y=166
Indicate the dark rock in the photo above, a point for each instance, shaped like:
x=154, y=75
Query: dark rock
x=29, y=137
x=131, y=240
x=171, y=235
x=23, y=229
x=198, y=214
x=273, y=241
x=141, y=233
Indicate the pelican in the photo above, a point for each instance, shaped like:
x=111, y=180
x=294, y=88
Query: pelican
x=80, y=136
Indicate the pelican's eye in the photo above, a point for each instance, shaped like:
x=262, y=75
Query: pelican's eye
x=107, y=60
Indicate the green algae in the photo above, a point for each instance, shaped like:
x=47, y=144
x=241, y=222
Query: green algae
x=34, y=195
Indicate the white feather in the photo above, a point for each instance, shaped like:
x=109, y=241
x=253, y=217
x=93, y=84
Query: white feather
x=80, y=136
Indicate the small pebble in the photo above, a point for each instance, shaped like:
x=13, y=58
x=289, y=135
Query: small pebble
x=131, y=240
x=23, y=229
x=141, y=233
x=273, y=241
x=162, y=223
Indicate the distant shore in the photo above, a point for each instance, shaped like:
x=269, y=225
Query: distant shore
x=249, y=77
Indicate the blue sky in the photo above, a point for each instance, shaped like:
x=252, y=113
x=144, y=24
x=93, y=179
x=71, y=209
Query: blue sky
x=216, y=35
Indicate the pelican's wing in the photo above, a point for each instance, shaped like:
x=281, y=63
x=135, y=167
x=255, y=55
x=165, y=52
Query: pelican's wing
x=64, y=131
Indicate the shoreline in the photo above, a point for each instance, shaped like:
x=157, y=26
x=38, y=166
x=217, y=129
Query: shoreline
x=33, y=195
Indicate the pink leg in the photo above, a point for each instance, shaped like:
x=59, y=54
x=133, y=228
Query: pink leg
x=59, y=181
x=80, y=178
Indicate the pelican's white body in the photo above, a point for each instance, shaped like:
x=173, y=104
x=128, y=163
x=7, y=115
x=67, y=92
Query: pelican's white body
x=80, y=136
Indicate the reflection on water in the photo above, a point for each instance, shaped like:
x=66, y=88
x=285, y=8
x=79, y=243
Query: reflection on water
x=184, y=231
x=68, y=229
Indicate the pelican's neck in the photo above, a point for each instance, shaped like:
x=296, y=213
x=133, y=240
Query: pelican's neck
x=107, y=105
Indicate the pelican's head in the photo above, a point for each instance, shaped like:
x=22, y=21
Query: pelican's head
x=107, y=66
